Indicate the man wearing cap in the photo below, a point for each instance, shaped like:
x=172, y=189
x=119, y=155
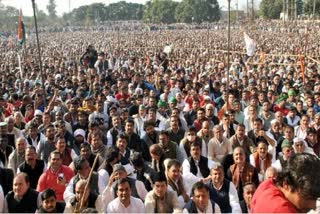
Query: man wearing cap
x=287, y=152
x=79, y=138
x=281, y=104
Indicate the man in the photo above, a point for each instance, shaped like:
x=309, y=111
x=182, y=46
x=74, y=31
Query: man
x=200, y=200
x=56, y=177
x=151, y=135
x=240, y=139
x=248, y=191
x=134, y=141
x=312, y=141
x=33, y=135
x=114, y=131
x=13, y=133
x=218, y=146
x=222, y=191
x=210, y=115
x=196, y=167
x=288, y=135
x=5, y=150
x=88, y=198
x=159, y=199
x=85, y=152
x=175, y=181
x=257, y=133
x=45, y=147
x=191, y=115
x=241, y=172
x=49, y=203
x=266, y=115
x=99, y=115
x=97, y=146
x=287, y=152
x=17, y=156
x=32, y=166
x=125, y=203
x=79, y=139
x=144, y=173
x=22, y=199
x=137, y=188
x=261, y=159
x=175, y=132
x=83, y=170
x=200, y=119
x=170, y=148
x=295, y=189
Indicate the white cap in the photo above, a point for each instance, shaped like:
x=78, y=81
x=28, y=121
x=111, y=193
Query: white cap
x=80, y=132
x=38, y=112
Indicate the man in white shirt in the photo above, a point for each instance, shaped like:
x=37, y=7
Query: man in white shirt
x=200, y=201
x=218, y=146
x=196, y=167
x=125, y=203
x=223, y=192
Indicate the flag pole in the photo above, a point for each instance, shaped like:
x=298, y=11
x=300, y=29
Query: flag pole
x=228, y=54
x=38, y=43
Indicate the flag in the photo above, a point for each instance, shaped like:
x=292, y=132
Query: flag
x=250, y=44
x=167, y=49
x=302, y=66
x=21, y=30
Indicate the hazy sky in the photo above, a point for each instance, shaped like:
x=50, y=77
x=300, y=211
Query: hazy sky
x=63, y=5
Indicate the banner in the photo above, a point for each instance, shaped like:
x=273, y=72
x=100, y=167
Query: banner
x=250, y=44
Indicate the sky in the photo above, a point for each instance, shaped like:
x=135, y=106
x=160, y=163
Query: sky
x=63, y=5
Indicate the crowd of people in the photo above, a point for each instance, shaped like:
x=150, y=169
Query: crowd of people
x=129, y=121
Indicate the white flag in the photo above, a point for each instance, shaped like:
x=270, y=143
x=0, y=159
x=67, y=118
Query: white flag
x=167, y=49
x=250, y=44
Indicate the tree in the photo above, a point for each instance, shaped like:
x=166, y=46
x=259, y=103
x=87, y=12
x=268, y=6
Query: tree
x=308, y=7
x=160, y=11
x=300, y=5
x=271, y=9
x=51, y=7
x=198, y=11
